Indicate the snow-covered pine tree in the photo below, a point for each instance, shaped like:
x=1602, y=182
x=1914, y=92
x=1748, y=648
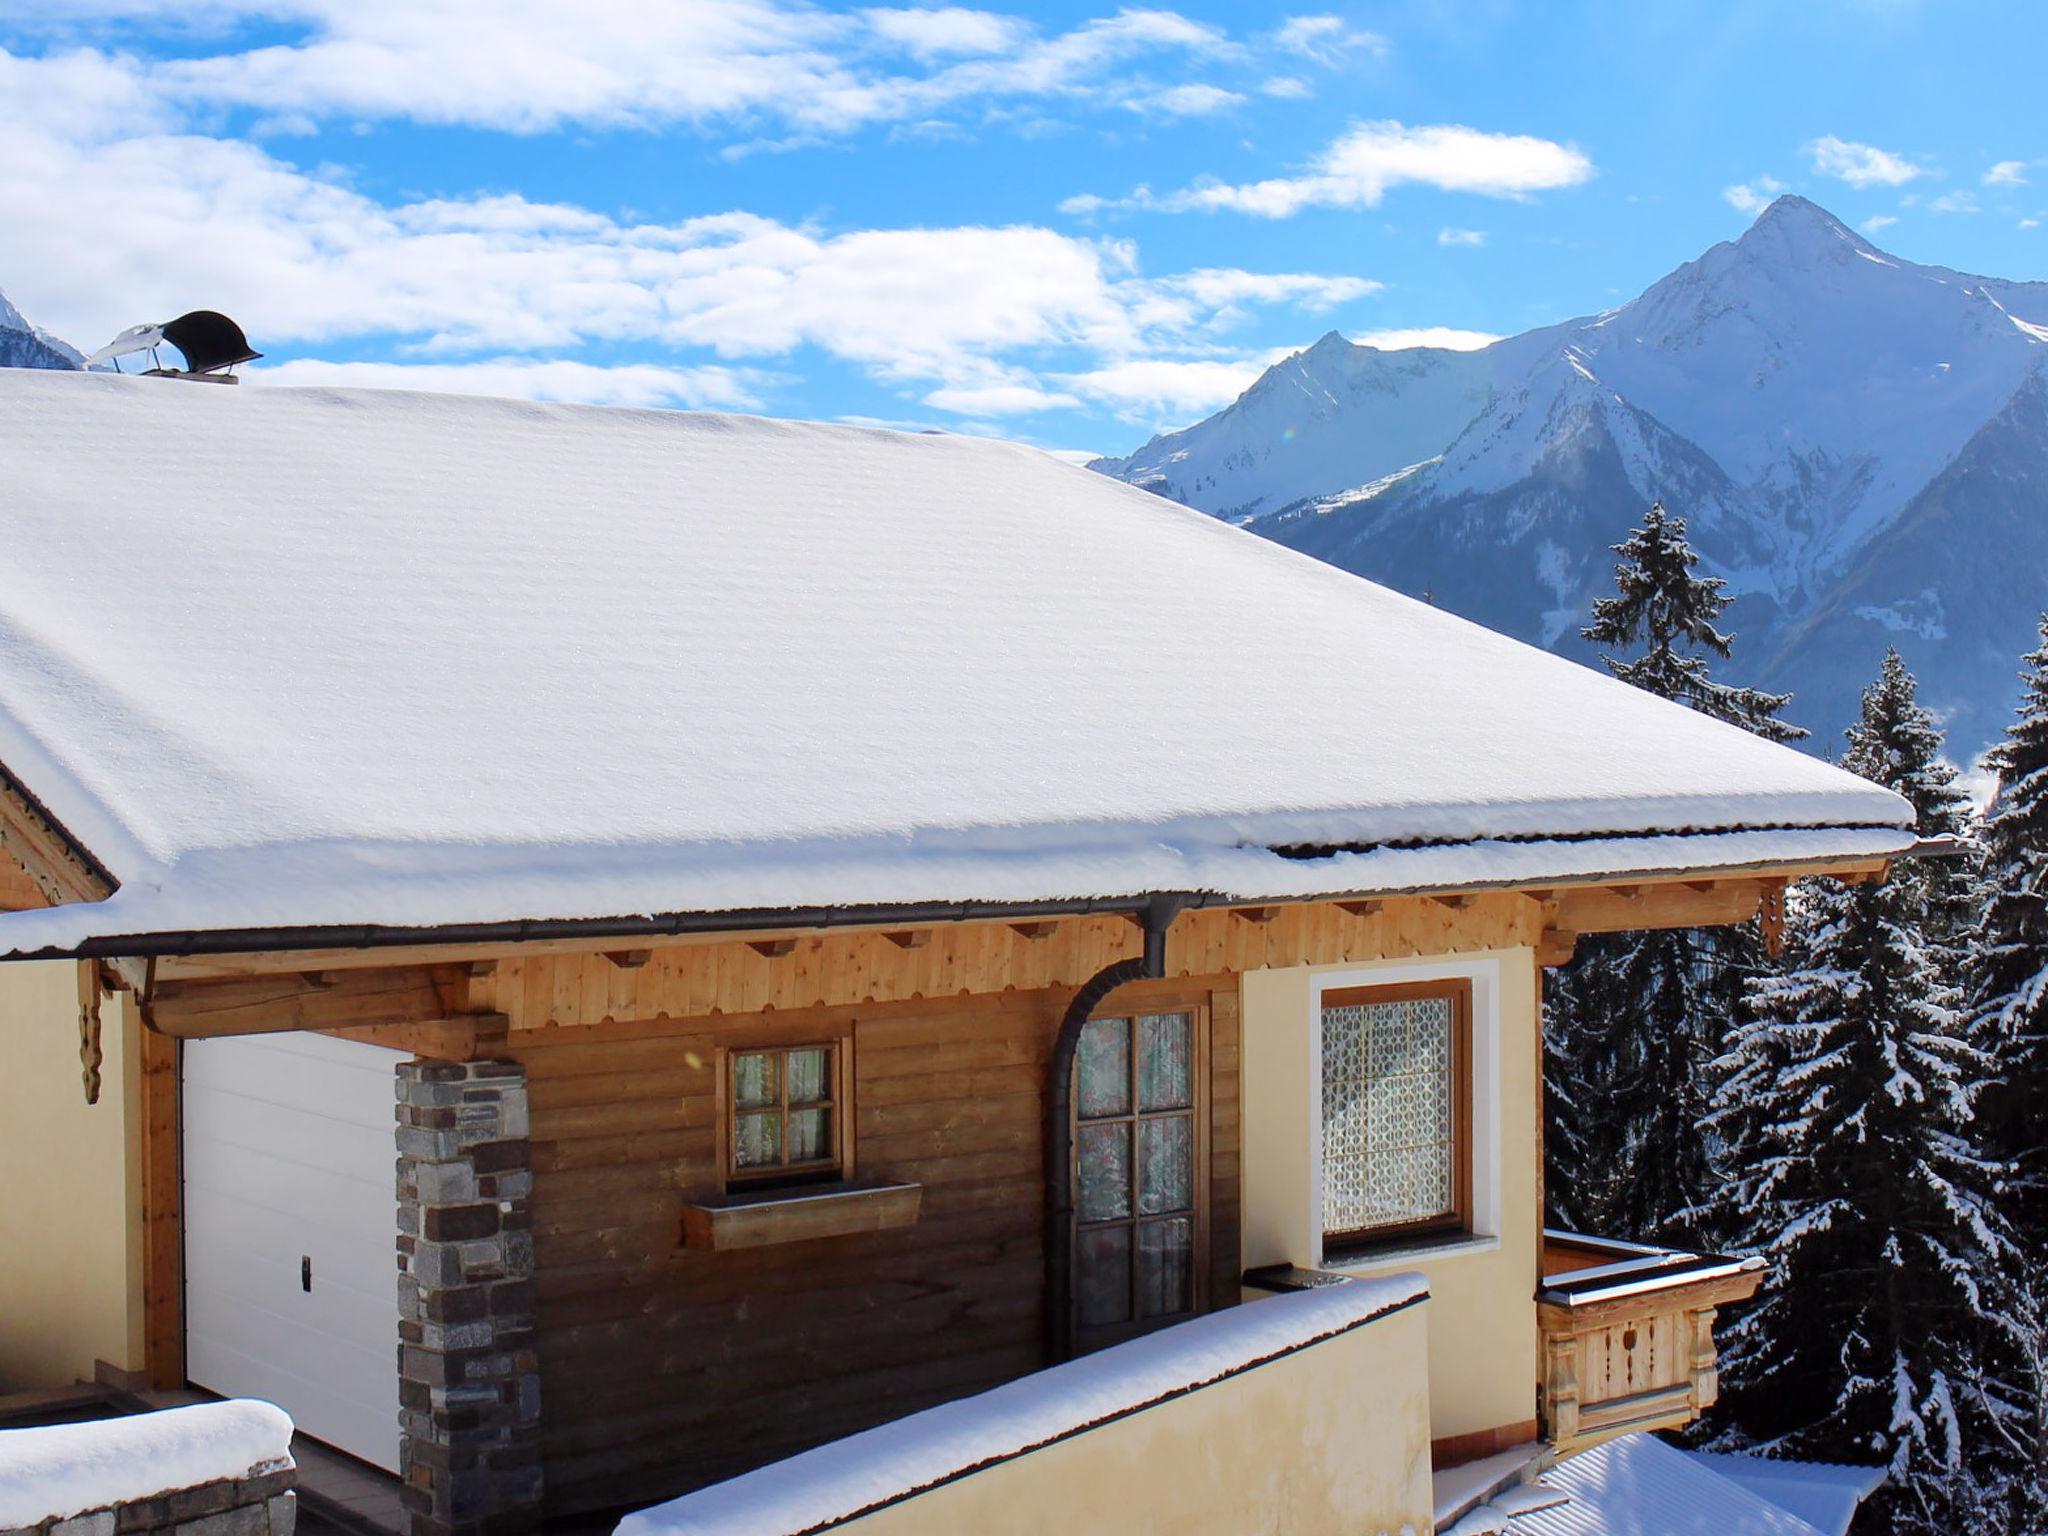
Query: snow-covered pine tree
x=1893, y=1310
x=1673, y=612
x=2008, y=977
x=1636, y=1018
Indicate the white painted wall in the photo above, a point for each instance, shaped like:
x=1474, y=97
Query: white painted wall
x=1484, y=1347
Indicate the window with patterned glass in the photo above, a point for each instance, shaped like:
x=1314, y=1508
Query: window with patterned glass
x=1138, y=1174
x=1397, y=1096
x=786, y=1115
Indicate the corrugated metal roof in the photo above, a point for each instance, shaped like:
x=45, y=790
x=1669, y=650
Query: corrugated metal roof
x=1822, y=1493
x=1639, y=1486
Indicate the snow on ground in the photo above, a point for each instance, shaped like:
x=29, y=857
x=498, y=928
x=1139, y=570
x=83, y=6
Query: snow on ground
x=314, y=656
x=66, y=1469
x=844, y=1477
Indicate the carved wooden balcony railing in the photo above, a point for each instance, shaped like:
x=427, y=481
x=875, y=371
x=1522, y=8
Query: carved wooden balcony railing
x=1628, y=1335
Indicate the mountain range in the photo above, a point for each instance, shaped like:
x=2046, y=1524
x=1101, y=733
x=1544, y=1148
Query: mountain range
x=26, y=346
x=1859, y=444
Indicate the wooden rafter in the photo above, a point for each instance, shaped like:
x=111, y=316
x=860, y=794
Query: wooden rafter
x=61, y=869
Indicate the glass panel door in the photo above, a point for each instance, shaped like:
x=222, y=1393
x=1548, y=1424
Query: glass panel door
x=1137, y=1175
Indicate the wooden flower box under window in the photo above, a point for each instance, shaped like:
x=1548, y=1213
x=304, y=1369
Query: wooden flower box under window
x=1628, y=1335
x=765, y=1218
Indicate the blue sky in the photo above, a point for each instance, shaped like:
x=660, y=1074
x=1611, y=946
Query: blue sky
x=1070, y=224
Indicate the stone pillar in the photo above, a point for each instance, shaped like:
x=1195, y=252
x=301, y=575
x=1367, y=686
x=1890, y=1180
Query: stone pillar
x=468, y=1377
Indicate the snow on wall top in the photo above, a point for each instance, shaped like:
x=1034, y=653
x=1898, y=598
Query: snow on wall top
x=307, y=657
x=67, y=1469
x=841, y=1479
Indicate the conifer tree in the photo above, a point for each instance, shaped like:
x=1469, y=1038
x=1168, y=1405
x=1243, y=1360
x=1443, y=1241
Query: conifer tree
x=1673, y=612
x=1887, y=1327
x=1636, y=1019
x=2008, y=977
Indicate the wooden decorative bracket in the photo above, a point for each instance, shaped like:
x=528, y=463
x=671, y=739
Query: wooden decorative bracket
x=773, y=949
x=1033, y=931
x=629, y=959
x=1770, y=917
x=1360, y=908
x=90, y=1056
x=1256, y=914
x=910, y=938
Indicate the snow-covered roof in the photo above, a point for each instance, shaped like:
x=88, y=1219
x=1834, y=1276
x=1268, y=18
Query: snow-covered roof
x=297, y=658
x=1825, y=1494
x=1638, y=1486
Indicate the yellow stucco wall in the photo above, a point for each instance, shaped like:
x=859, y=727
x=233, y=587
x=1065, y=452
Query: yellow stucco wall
x=70, y=1250
x=1484, y=1346
x=1332, y=1440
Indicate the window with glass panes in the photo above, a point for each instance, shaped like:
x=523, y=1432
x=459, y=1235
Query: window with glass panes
x=1138, y=1161
x=785, y=1112
x=1397, y=1096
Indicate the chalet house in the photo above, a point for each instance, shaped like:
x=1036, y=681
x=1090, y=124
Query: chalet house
x=824, y=922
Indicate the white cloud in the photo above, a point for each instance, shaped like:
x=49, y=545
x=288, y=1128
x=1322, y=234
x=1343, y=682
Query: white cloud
x=1957, y=201
x=1286, y=87
x=621, y=64
x=1860, y=165
x=1185, y=101
x=997, y=400
x=1878, y=221
x=1357, y=170
x=95, y=236
x=1326, y=39
x=1150, y=387
x=526, y=378
x=1450, y=236
x=1179, y=302
x=1449, y=338
x=951, y=30
x=2007, y=173
x=1753, y=196
x=2030, y=224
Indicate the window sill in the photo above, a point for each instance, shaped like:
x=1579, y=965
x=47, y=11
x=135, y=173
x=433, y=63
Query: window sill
x=797, y=1215
x=1407, y=1253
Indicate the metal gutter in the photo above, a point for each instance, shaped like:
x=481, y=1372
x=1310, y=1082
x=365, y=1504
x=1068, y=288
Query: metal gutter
x=886, y=915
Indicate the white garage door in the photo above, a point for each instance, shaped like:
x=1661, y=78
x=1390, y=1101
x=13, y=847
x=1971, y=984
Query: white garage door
x=291, y=1289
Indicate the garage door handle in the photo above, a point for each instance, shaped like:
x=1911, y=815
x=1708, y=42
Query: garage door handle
x=306, y=1273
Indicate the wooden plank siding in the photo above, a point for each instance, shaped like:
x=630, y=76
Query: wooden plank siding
x=666, y=1366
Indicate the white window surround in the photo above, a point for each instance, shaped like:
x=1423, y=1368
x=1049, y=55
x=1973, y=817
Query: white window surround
x=1484, y=974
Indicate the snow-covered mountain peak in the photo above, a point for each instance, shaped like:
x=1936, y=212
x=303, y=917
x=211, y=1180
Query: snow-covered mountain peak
x=23, y=345
x=1802, y=396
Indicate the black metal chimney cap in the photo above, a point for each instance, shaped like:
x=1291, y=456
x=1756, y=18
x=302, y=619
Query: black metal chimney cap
x=209, y=340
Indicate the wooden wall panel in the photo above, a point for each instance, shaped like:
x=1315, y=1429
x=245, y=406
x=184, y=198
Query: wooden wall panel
x=664, y=1367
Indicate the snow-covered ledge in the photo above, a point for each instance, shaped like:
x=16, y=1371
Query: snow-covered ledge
x=1315, y=1403
x=216, y=1467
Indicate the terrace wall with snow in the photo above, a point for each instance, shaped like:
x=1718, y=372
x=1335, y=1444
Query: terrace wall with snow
x=216, y=1469
x=1307, y=1413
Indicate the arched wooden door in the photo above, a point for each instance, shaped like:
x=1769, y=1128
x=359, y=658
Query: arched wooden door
x=1141, y=1187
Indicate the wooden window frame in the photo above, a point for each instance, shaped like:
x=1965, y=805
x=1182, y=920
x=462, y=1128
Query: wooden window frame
x=1459, y=1218
x=1100, y=1336
x=840, y=1168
